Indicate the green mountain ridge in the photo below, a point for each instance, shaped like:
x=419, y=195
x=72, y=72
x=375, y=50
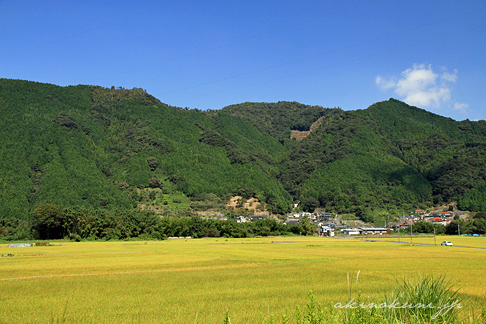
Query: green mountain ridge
x=112, y=148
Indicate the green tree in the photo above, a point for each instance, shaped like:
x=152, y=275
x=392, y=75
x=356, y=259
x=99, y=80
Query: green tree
x=453, y=227
x=50, y=221
x=480, y=215
x=310, y=205
x=423, y=227
x=152, y=162
x=480, y=225
x=198, y=229
x=306, y=227
x=364, y=214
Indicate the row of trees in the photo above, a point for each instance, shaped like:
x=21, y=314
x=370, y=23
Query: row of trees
x=77, y=223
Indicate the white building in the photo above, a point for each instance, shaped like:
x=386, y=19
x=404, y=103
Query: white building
x=327, y=231
x=351, y=231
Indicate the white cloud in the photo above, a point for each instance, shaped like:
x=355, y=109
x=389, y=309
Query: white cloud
x=421, y=86
x=385, y=84
x=462, y=107
x=449, y=77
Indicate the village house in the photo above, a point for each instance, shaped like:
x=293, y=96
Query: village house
x=257, y=217
x=406, y=223
x=447, y=214
x=242, y=219
x=324, y=216
x=291, y=222
x=339, y=226
x=416, y=212
x=375, y=231
x=441, y=221
x=326, y=231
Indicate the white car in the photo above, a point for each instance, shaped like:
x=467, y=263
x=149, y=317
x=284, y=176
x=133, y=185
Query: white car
x=446, y=243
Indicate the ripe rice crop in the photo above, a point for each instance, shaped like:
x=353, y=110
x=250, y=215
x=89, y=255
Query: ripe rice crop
x=200, y=280
x=463, y=241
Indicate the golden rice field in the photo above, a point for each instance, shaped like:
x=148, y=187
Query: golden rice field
x=198, y=281
x=463, y=241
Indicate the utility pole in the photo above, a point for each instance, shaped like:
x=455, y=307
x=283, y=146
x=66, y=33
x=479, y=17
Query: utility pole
x=411, y=230
x=398, y=234
x=435, y=242
x=458, y=230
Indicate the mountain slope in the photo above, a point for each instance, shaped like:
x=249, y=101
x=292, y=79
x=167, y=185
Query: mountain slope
x=92, y=146
x=450, y=155
x=346, y=164
x=112, y=148
x=278, y=119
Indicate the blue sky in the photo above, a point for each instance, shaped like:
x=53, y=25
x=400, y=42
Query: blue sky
x=210, y=54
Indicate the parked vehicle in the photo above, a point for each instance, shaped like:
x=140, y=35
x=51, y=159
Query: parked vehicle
x=446, y=243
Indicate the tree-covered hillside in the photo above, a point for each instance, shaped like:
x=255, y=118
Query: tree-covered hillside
x=450, y=155
x=278, y=119
x=110, y=148
x=388, y=156
x=91, y=146
x=347, y=166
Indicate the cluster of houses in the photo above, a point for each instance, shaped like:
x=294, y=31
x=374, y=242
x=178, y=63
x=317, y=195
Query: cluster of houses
x=327, y=225
x=239, y=219
x=313, y=217
x=329, y=231
x=366, y=231
x=439, y=218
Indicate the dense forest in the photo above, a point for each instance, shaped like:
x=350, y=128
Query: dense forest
x=113, y=149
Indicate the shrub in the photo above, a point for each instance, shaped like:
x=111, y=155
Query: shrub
x=431, y=300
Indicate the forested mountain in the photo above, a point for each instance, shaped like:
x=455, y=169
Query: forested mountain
x=278, y=119
x=95, y=147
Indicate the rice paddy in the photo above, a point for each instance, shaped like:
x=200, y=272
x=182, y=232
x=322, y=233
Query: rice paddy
x=198, y=281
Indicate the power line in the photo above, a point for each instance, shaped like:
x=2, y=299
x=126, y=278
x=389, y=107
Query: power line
x=325, y=53
x=87, y=31
x=239, y=41
x=336, y=64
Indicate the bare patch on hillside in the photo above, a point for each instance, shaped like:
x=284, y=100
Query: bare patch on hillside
x=300, y=135
x=249, y=204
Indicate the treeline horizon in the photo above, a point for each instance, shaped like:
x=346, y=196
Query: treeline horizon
x=114, y=148
x=77, y=223
x=87, y=224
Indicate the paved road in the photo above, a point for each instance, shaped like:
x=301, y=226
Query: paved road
x=405, y=242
